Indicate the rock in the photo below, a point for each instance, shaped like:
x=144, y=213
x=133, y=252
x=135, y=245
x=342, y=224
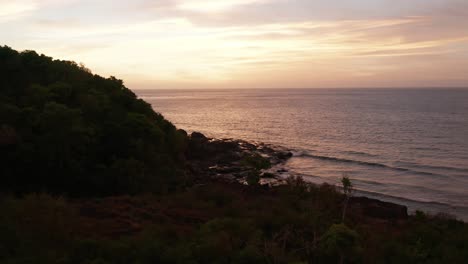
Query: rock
x=284, y=155
x=221, y=159
x=222, y=146
x=274, y=161
x=267, y=150
x=226, y=158
x=282, y=170
x=247, y=146
x=378, y=209
x=268, y=175
x=242, y=174
x=227, y=177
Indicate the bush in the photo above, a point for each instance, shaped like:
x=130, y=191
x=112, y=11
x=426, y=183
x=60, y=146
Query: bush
x=36, y=228
x=341, y=242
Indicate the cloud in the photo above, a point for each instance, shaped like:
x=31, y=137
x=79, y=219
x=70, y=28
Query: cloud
x=208, y=6
x=14, y=9
x=248, y=41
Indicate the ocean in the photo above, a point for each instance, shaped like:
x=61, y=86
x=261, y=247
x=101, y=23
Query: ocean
x=408, y=146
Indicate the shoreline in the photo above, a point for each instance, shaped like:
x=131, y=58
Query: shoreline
x=229, y=168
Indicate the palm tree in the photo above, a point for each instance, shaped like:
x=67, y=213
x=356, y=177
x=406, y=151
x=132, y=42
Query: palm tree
x=347, y=190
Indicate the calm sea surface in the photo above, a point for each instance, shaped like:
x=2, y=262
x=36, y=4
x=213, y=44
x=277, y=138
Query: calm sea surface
x=402, y=145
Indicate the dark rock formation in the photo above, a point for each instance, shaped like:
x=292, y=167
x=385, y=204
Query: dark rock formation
x=226, y=158
x=283, y=155
x=378, y=209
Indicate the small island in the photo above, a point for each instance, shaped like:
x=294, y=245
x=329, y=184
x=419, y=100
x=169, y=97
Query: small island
x=92, y=174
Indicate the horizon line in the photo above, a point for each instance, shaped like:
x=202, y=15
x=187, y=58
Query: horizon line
x=308, y=88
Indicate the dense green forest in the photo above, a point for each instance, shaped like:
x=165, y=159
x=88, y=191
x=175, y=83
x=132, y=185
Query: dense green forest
x=91, y=174
x=66, y=130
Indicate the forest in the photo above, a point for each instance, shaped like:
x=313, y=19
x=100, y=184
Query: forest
x=67, y=131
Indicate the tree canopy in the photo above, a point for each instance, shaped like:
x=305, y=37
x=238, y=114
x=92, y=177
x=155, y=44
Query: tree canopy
x=66, y=130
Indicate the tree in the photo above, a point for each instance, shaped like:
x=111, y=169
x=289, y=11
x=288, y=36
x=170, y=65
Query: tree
x=66, y=130
x=341, y=241
x=347, y=191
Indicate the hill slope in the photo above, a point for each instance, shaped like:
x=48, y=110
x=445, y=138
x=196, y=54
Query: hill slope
x=66, y=130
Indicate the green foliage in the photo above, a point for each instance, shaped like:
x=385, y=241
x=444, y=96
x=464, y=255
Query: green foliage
x=420, y=215
x=276, y=226
x=228, y=240
x=298, y=185
x=432, y=239
x=347, y=185
x=341, y=242
x=66, y=130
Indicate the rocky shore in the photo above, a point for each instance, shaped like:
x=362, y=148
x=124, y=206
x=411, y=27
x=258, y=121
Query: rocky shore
x=227, y=160
x=234, y=160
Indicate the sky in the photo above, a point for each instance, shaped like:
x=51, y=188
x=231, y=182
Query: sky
x=168, y=44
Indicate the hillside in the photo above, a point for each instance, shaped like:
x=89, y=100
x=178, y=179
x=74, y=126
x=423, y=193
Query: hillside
x=66, y=130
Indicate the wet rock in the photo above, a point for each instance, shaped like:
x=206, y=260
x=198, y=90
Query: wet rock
x=226, y=158
x=247, y=146
x=284, y=155
x=222, y=146
x=268, y=175
x=242, y=174
x=228, y=177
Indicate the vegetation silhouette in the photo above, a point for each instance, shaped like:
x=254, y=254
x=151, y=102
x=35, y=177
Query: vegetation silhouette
x=66, y=130
x=347, y=191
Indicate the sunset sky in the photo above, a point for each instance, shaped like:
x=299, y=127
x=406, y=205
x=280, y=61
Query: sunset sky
x=250, y=43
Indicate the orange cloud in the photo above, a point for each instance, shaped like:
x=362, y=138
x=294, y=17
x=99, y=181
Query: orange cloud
x=181, y=43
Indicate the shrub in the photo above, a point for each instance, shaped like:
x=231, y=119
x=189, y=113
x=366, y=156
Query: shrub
x=341, y=242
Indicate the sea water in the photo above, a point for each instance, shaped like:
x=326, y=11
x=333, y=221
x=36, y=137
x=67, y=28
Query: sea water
x=408, y=146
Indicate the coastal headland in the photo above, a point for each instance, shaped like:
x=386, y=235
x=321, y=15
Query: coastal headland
x=92, y=174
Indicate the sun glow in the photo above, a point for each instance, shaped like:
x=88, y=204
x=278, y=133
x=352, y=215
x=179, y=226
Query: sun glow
x=231, y=43
x=213, y=5
x=11, y=8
